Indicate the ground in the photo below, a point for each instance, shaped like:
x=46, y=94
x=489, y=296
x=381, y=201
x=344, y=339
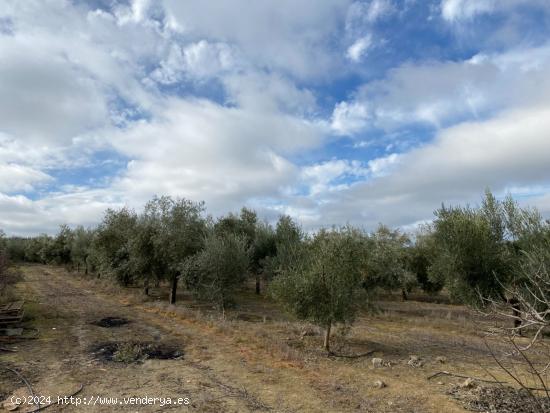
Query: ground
x=256, y=360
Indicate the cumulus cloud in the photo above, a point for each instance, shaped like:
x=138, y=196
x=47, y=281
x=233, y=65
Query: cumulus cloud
x=283, y=125
x=205, y=151
x=15, y=177
x=278, y=34
x=443, y=93
x=510, y=149
x=269, y=93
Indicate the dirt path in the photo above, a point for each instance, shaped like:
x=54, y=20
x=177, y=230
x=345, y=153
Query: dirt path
x=61, y=359
x=222, y=370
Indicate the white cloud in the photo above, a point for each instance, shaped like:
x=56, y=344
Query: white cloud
x=454, y=10
x=509, y=150
x=356, y=51
x=378, y=9
x=23, y=216
x=63, y=101
x=198, y=60
x=349, y=118
x=284, y=35
x=443, y=93
x=366, y=13
x=383, y=166
x=14, y=178
x=465, y=10
x=326, y=177
x=204, y=151
x=269, y=93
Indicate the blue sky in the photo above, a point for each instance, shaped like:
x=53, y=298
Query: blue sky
x=334, y=111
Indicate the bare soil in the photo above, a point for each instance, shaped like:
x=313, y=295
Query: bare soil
x=258, y=359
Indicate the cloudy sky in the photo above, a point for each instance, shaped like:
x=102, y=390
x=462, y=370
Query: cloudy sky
x=332, y=111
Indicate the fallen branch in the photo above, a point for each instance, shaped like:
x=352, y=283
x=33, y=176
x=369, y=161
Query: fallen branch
x=351, y=356
x=446, y=373
x=58, y=399
x=8, y=349
x=26, y=382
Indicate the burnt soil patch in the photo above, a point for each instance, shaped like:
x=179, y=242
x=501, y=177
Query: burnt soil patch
x=109, y=322
x=135, y=351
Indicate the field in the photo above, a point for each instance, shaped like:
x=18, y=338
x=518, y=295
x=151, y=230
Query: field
x=256, y=360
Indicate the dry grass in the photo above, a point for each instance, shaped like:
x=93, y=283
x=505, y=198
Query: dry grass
x=266, y=359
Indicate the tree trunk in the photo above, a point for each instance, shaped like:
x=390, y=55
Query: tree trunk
x=173, y=289
x=146, y=288
x=257, y=283
x=86, y=269
x=516, y=312
x=78, y=267
x=404, y=294
x=326, y=345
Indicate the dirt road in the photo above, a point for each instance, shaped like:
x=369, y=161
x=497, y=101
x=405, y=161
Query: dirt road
x=62, y=359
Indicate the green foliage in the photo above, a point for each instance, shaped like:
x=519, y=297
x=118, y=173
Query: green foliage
x=263, y=247
x=421, y=256
x=322, y=284
x=81, y=246
x=473, y=257
x=111, y=244
x=60, y=249
x=288, y=239
x=480, y=248
x=176, y=228
x=145, y=261
x=387, y=260
x=3, y=241
x=472, y=252
x=39, y=249
x=243, y=225
x=15, y=247
x=8, y=275
x=215, y=272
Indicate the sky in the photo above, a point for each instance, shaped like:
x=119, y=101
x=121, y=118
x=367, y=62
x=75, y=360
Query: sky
x=331, y=111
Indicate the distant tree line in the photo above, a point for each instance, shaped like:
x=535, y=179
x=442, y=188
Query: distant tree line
x=477, y=254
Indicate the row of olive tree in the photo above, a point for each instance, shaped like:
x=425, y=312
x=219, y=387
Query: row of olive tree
x=324, y=277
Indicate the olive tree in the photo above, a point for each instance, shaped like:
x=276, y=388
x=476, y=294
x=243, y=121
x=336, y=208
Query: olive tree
x=145, y=258
x=321, y=283
x=4, y=262
x=480, y=249
x=420, y=257
x=215, y=272
x=16, y=248
x=262, y=250
x=387, y=261
x=258, y=237
x=80, y=247
x=474, y=259
x=179, y=234
x=287, y=239
x=111, y=244
x=61, y=246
